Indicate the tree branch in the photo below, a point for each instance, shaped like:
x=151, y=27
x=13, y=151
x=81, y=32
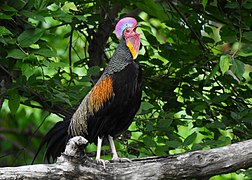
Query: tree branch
x=197, y=164
x=100, y=38
x=70, y=54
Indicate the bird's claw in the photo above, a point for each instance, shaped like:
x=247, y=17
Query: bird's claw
x=103, y=162
x=117, y=159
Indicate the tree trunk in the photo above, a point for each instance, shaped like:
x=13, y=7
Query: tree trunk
x=197, y=164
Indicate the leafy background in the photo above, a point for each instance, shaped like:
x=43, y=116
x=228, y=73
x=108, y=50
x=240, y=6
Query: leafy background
x=196, y=61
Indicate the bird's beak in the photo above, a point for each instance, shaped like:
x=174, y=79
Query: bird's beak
x=138, y=25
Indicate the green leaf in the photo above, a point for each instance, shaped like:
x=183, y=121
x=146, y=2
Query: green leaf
x=33, y=15
x=81, y=18
x=232, y=5
x=31, y=58
x=224, y=63
x=4, y=31
x=160, y=150
x=196, y=147
x=152, y=8
x=46, y=52
x=164, y=124
x=248, y=35
x=204, y=3
x=40, y=4
x=16, y=54
x=18, y=5
x=248, y=173
x=201, y=96
x=238, y=68
x=212, y=74
x=55, y=64
x=224, y=140
x=62, y=97
x=190, y=139
x=150, y=38
x=236, y=115
x=245, y=51
x=27, y=69
x=220, y=98
x=93, y=71
x=7, y=40
x=247, y=5
x=5, y=16
x=146, y=106
x=173, y=144
x=30, y=37
x=149, y=142
x=14, y=100
x=68, y=6
x=228, y=35
x=8, y=8
x=61, y=15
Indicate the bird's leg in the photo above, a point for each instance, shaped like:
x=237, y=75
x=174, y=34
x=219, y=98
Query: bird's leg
x=98, y=153
x=113, y=149
x=114, y=153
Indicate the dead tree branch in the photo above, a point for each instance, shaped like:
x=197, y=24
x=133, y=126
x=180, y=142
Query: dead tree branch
x=197, y=164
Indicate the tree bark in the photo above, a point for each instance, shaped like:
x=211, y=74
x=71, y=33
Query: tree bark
x=197, y=164
x=100, y=38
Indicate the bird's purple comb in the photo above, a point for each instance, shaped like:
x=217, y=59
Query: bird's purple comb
x=123, y=23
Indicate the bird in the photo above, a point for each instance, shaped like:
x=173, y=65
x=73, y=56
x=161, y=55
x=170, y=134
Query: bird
x=110, y=106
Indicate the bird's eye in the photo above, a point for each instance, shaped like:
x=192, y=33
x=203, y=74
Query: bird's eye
x=127, y=30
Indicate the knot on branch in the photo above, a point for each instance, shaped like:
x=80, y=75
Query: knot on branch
x=75, y=146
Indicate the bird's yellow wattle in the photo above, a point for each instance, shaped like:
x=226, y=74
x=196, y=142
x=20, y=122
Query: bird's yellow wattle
x=132, y=49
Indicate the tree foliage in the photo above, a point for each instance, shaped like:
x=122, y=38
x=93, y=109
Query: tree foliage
x=195, y=56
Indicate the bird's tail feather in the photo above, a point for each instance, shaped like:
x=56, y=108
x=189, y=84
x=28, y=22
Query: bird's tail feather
x=55, y=140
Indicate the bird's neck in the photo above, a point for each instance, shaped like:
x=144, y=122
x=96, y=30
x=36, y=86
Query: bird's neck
x=123, y=52
x=121, y=58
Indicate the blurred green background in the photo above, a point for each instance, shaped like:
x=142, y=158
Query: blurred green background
x=196, y=58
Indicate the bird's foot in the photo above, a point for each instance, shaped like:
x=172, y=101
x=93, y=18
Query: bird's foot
x=102, y=161
x=117, y=159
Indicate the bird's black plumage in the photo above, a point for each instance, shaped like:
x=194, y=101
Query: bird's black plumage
x=115, y=112
x=116, y=116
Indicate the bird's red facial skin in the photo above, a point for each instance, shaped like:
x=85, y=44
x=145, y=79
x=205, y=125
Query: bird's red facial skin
x=132, y=40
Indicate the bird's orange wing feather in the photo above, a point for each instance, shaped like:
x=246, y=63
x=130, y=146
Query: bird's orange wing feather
x=100, y=94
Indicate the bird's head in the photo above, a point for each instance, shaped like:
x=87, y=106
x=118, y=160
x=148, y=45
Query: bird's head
x=126, y=28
